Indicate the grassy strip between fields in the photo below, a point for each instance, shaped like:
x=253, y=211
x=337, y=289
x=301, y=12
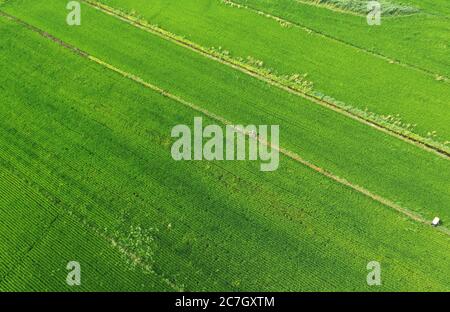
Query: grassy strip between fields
x=295, y=84
x=288, y=153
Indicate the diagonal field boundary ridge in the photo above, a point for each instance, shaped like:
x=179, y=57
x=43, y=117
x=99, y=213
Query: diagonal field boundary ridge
x=410, y=138
x=292, y=155
x=329, y=37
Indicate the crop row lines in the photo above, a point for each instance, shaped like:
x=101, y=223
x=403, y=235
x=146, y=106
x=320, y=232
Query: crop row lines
x=90, y=226
x=184, y=223
x=288, y=153
x=330, y=37
x=93, y=227
x=399, y=133
x=30, y=248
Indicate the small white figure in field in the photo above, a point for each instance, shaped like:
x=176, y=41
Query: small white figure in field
x=436, y=221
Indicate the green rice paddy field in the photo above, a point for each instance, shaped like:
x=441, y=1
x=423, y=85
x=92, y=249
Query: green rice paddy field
x=86, y=172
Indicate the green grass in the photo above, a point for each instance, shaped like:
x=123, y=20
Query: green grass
x=93, y=146
x=385, y=165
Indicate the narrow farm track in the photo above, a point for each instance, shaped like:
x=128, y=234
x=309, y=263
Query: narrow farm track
x=348, y=44
x=294, y=156
x=74, y=170
x=417, y=141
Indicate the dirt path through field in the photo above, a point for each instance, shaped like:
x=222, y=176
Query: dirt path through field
x=184, y=43
x=294, y=156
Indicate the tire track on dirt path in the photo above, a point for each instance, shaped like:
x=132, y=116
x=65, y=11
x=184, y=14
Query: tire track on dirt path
x=292, y=155
x=409, y=138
